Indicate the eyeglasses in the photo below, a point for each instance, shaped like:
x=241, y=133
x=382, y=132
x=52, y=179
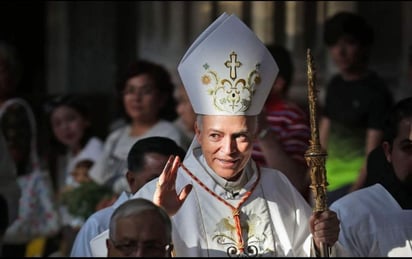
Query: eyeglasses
x=143, y=90
x=149, y=248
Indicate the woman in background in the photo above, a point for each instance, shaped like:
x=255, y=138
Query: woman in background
x=146, y=92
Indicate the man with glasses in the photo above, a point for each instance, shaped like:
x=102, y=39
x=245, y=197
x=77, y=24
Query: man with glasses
x=146, y=159
x=139, y=228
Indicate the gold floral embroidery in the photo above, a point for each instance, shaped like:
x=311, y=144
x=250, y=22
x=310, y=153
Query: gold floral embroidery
x=231, y=94
x=225, y=234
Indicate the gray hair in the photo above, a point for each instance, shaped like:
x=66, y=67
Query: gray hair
x=199, y=121
x=133, y=207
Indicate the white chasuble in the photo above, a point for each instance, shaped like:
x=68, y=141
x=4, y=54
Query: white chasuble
x=273, y=219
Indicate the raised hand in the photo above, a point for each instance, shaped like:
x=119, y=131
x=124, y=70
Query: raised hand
x=165, y=194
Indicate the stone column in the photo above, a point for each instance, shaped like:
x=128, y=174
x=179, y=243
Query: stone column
x=262, y=21
x=57, y=49
x=295, y=43
x=405, y=88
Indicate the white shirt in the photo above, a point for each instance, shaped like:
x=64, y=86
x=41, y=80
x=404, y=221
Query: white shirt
x=275, y=218
x=373, y=224
x=91, y=151
x=94, y=225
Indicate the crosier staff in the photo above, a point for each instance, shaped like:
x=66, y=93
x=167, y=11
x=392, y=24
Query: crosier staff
x=315, y=156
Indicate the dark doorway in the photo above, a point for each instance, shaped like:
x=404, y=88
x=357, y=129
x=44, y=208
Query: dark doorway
x=22, y=23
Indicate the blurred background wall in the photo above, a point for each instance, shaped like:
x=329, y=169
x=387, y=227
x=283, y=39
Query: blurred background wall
x=82, y=46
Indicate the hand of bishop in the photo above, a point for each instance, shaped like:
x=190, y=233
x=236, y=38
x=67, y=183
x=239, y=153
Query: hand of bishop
x=325, y=228
x=165, y=195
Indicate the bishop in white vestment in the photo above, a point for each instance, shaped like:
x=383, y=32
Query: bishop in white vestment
x=221, y=204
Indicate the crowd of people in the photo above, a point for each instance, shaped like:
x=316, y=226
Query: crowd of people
x=212, y=165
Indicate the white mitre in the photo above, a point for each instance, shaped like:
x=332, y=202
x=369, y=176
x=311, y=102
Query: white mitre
x=228, y=70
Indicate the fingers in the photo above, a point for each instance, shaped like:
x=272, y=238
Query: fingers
x=167, y=179
x=329, y=224
x=185, y=192
x=325, y=227
x=166, y=169
x=175, y=166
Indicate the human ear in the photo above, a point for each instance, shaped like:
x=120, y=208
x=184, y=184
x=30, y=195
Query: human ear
x=388, y=150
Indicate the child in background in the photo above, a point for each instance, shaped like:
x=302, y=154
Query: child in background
x=72, y=138
x=80, y=173
x=80, y=201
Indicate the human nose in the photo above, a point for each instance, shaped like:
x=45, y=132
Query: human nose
x=341, y=48
x=138, y=252
x=137, y=93
x=145, y=251
x=64, y=125
x=229, y=145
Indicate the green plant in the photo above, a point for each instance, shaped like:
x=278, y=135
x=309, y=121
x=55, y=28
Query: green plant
x=81, y=201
